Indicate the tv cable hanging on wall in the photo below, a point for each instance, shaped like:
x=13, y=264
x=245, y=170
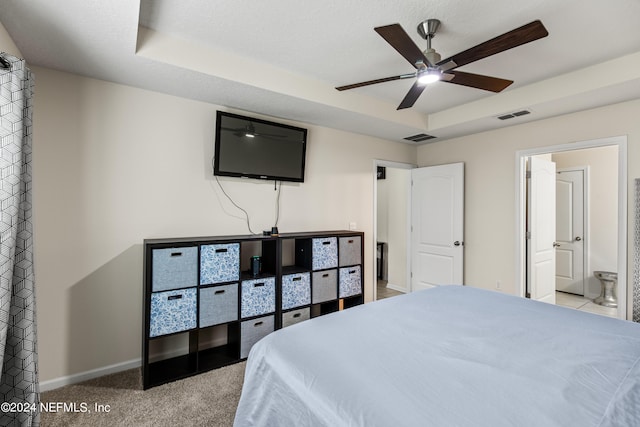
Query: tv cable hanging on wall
x=276, y=187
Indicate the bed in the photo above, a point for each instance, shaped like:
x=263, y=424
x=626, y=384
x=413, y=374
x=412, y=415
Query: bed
x=447, y=356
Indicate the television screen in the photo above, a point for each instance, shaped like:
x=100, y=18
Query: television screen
x=254, y=148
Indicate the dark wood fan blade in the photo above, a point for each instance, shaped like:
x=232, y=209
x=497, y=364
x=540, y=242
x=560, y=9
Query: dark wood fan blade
x=400, y=41
x=525, y=34
x=372, y=82
x=412, y=96
x=478, y=81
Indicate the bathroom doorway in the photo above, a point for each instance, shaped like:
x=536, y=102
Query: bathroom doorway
x=597, y=235
x=392, y=228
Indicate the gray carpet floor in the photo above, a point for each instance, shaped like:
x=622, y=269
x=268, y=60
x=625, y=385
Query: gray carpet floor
x=208, y=399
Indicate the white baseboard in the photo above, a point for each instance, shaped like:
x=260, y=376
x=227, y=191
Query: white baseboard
x=397, y=288
x=88, y=375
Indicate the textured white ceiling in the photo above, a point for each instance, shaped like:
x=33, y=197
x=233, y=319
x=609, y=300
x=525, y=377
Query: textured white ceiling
x=284, y=57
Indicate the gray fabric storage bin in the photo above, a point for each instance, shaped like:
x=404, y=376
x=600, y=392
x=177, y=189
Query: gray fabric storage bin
x=251, y=331
x=218, y=304
x=174, y=268
x=350, y=281
x=349, y=251
x=324, y=286
x=292, y=317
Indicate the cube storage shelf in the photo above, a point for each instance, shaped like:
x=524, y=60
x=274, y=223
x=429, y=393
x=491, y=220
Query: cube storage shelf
x=204, y=310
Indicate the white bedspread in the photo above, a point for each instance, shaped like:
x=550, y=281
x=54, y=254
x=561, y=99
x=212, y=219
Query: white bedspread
x=448, y=356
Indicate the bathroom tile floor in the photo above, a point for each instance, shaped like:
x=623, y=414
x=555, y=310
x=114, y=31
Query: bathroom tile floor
x=584, y=304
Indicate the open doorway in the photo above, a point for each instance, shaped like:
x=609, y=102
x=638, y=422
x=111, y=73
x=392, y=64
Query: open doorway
x=392, y=213
x=585, y=242
x=419, y=224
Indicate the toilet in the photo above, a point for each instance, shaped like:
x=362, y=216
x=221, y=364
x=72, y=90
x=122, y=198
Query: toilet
x=609, y=281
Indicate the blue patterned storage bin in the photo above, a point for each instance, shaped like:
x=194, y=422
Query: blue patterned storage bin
x=174, y=268
x=350, y=280
x=325, y=253
x=258, y=297
x=219, y=263
x=173, y=311
x=296, y=290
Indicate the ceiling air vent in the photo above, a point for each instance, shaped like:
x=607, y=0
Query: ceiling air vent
x=516, y=114
x=420, y=137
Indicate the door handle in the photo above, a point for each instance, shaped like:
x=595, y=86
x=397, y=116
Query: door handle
x=556, y=244
x=578, y=238
x=458, y=243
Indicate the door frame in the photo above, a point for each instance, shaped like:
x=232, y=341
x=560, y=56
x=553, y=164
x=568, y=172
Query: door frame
x=520, y=208
x=374, y=241
x=586, y=238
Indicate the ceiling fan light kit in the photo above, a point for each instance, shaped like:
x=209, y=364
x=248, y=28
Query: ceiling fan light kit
x=429, y=76
x=431, y=68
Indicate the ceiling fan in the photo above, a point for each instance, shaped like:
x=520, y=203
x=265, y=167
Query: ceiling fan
x=430, y=68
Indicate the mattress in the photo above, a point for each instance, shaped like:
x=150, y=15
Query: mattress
x=447, y=356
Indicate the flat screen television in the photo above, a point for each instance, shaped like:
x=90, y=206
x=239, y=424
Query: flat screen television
x=255, y=148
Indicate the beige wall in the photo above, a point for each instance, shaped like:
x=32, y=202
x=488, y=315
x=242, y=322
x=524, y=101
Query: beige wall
x=602, y=205
x=7, y=44
x=114, y=165
x=490, y=181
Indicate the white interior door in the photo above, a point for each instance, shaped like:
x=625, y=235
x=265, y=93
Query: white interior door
x=437, y=230
x=541, y=220
x=570, y=236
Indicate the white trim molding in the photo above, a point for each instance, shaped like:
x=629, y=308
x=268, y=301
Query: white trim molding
x=88, y=375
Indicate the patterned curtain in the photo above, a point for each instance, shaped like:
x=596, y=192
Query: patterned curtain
x=636, y=258
x=19, y=398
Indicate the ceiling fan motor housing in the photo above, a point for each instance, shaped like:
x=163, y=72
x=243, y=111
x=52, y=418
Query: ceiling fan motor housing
x=432, y=56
